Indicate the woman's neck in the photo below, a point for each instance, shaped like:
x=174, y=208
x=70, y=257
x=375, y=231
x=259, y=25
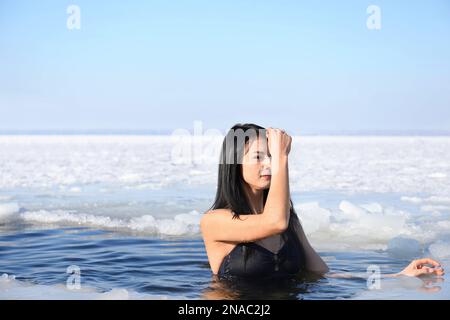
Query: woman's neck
x=255, y=198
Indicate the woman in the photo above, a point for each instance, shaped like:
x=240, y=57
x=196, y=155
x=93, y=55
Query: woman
x=252, y=229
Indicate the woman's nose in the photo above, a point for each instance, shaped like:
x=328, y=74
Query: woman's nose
x=266, y=160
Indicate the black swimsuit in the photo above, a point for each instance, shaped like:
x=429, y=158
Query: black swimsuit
x=262, y=262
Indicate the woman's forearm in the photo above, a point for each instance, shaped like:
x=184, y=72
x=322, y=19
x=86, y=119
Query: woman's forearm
x=350, y=275
x=277, y=207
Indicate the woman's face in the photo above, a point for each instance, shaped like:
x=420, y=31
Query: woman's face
x=256, y=164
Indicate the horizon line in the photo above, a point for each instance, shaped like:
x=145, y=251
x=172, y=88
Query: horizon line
x=355, y=132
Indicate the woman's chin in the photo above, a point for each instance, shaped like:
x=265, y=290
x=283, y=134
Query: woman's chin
x=266, y=186
x=263, y=187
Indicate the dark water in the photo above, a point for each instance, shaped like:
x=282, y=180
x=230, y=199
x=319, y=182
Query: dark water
x=173, y=267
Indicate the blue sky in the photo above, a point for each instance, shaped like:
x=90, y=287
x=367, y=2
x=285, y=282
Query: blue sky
x=150, y=65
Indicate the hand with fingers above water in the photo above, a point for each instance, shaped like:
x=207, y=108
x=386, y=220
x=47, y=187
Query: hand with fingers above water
x=421, y=267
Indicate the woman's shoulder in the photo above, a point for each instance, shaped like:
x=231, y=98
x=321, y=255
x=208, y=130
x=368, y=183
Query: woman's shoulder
x=217, y=214
x=220, y=211
x=224, y=213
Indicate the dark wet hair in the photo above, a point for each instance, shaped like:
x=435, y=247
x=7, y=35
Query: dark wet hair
x=230, y=185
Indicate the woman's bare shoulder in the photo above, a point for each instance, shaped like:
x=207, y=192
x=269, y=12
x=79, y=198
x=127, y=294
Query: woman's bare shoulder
x=219, y=213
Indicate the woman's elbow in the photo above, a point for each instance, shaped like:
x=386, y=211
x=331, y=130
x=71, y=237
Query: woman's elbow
x=281, y=226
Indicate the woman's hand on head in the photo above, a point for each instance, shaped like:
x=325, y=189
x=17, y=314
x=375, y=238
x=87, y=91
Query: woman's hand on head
x=278, y=141
x=421, y=267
